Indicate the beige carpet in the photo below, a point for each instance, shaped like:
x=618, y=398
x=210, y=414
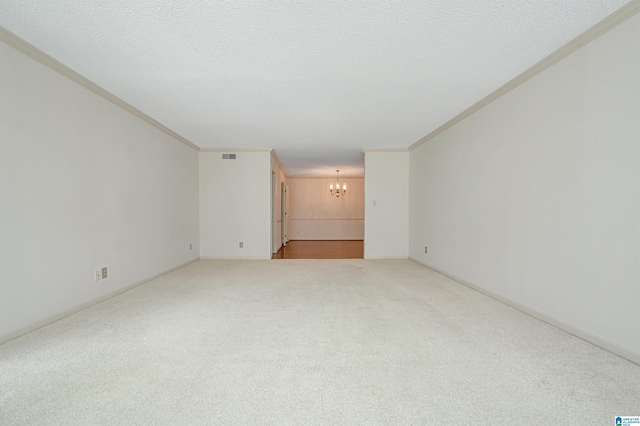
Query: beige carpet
x=278, y=342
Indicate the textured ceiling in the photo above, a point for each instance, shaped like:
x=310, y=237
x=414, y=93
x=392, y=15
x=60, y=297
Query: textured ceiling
x=316, y=80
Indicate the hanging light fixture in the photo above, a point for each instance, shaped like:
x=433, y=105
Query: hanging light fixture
x=337, y=191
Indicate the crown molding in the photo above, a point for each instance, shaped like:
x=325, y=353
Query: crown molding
x=232, y=150
x=277, y=160
x=365, y=150
x=34, y=53
x=610, y=22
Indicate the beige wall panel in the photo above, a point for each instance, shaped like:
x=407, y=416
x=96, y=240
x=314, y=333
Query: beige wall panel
x=317, y=215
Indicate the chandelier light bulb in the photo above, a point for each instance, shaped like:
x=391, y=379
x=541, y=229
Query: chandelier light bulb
x=337, y=191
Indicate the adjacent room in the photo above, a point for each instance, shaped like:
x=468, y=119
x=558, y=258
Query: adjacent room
x=319, y=213
x=323, y=221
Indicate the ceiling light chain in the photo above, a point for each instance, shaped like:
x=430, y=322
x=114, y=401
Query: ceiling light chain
x=337, y=191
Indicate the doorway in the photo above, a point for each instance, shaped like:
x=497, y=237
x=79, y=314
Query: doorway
x=315, y=224
x=274, y=235
x=284, y=199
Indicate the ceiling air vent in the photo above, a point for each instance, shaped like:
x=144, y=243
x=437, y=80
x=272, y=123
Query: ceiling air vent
x=228, y=156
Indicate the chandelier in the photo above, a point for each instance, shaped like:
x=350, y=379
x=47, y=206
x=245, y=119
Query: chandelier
x=337, y=191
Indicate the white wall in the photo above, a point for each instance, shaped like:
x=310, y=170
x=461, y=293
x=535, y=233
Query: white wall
x=386, y=180
x=318, y=215
x=536, y=197
x=84, y=184
x=235, y=205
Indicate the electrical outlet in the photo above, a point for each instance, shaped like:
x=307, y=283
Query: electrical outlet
x=190, y=246
x=104, y=273
x=425, y=249
x=375, y=203
x=241, y=244
x=98, y=276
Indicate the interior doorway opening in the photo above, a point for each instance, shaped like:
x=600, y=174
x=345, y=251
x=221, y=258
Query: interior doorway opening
x=314, y=223
x=284, y=208
x=274, y=238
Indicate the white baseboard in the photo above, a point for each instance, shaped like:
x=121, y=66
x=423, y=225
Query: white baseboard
x=571, y=329
x=367, y=257
x=234, y=258
x=84, y=305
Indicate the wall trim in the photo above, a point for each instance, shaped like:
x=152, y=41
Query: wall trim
x=277, y=160
x=327, y=178
x=49, y=319
x=232, y=150
x=34, y=53
x=366, y=257
x=235, y=258
x=365, y=150
x=610, y=22
x=326, y=218
x=571, y=329
x=347, y=176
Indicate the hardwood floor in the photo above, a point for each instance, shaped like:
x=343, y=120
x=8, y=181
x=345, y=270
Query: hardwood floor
x=321, y=250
